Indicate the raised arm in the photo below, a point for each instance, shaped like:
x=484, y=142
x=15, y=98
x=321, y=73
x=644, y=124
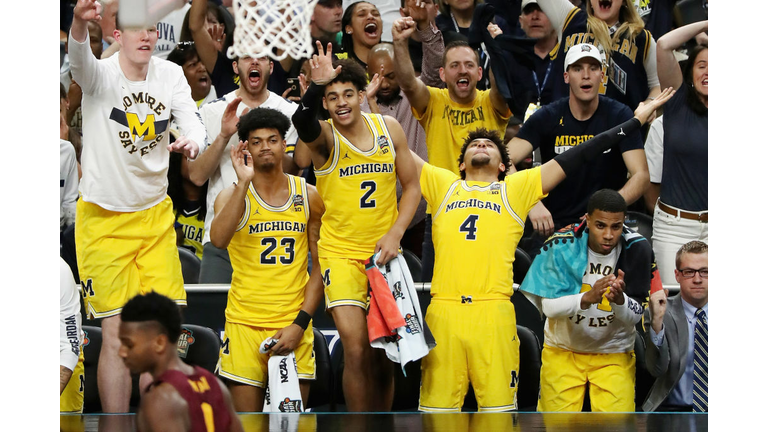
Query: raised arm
x=432, y=45
x=83, y=63
x=555, y=171
x=312, y=132
x=204, y=44
x=557, y=11
x=657, y=346
x=85, y=10
x=230, y=204
x=406, y=173
x=415, y=90
x=202, y=168
x=497, y=99
x=669, y=71
x=419, y=162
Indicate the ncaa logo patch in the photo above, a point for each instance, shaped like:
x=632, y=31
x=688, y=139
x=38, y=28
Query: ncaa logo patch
x=185, y=340
x=298, y=202
x=290, y=405
x=383, y=144
x=86, y=339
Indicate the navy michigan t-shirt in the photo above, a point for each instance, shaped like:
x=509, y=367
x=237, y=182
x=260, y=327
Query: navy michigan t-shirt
x=554, y=130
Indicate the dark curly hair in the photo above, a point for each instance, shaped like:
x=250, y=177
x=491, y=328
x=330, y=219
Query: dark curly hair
x=156, y=308
x=607, y=200
x=262, y=118
x=351, y=72
x=496, y=139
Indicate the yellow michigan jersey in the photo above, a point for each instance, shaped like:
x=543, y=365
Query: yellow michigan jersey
x=192, y=228
x=358, y=190
x=475, y=228
x=269, y=260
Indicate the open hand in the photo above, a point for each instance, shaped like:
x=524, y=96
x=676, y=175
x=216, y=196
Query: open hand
x=217, y=36
x=615, y=293
x=230, y=119
x=373, y=86
x=321, y=63
x=646, y=112
x=242, y=161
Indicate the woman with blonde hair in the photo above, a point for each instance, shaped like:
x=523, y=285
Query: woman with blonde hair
x=615, y=27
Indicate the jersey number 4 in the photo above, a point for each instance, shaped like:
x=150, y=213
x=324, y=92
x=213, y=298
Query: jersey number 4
x=469, y=226
x=271, y=243
x=369, y=187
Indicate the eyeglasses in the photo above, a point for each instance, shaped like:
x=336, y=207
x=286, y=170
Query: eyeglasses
x=689, y=273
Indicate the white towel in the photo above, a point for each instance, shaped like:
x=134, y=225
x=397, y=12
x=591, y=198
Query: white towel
x=414, y=340
x=282, y=384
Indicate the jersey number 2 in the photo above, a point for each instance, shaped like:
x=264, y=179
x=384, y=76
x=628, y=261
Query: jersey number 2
x=470, y=227
x=365, y=201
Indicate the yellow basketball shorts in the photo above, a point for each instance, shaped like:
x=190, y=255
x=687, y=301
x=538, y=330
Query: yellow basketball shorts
x=122, y=254
x=476, y=342
x=71, y=400
x=241, y=361
x=564, y=376
x=345, y=282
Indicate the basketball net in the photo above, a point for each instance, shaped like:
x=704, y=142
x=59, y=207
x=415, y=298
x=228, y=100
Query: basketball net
x=261, y=26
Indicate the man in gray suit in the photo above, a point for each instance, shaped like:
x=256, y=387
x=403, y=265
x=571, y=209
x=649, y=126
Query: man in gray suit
x=676, y=336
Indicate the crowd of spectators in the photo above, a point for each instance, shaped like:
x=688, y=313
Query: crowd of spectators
x=443, y=68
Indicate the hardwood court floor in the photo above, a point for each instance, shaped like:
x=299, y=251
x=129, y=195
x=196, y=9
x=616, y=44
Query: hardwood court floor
x=411, y=422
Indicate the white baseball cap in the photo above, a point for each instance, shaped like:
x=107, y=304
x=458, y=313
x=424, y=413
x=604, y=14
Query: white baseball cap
x=580, y=51
x=526, y=3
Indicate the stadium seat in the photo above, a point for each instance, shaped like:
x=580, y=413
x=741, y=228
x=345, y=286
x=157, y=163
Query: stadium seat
x=414, y=265
x=407, y=387
x=521, y=265
x=321, y=396
x=190, y=265
x=199, y=346
x=337, y=366
x=530, y=369
x=528, y=316
x=91, y=350
x=640, y=222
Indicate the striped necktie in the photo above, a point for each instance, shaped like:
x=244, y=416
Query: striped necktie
x=700, y=363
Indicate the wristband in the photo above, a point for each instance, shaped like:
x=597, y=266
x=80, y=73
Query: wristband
x=302, y=319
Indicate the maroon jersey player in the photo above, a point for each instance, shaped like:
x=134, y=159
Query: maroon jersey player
x=182, y=397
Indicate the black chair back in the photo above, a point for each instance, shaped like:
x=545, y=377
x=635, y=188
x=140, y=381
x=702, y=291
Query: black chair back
x=199, y=346
x=91, y=351
x=521, y=265
x=321, y=390
x=640, y=222
x=190, y=265
x=530, y=370
x=414, y=265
